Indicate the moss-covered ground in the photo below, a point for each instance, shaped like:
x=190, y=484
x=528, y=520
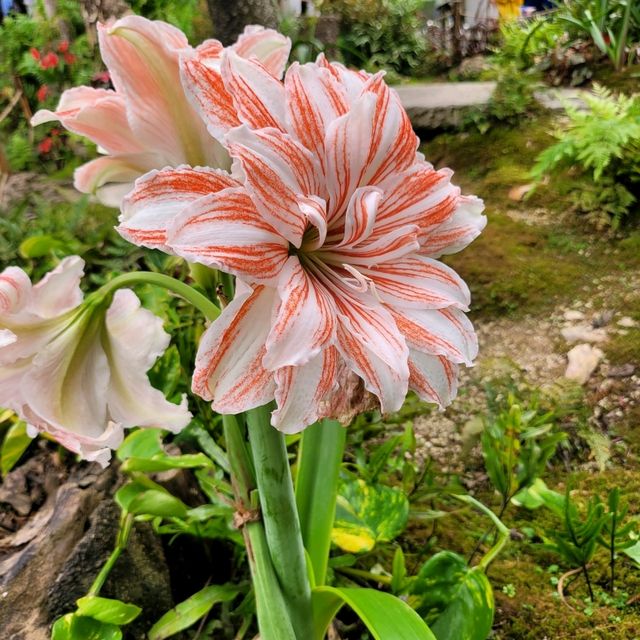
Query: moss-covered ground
x=537, y=255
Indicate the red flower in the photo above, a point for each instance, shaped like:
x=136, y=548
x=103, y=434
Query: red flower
x=45, y=146
x=69, y=58
x=42, y=93
x=63, y=47
x=35, y=54
x=49, y=60
x=55, y=131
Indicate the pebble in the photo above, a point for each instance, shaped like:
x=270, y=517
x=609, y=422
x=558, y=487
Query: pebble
x=583, y=361
x=627, y=322
x=573, y=315
x=583, y=333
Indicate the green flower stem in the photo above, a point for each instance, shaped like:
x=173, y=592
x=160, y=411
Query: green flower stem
x=503, y=531
x=319, y=458
x=365, y=575
x=126, y=523
x=273, y=616
x=280, y=517
x=199, y=301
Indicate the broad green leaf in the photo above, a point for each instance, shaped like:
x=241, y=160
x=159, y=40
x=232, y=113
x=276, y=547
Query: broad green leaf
x=539, y=495
x=143, y=443
x=384, y=615
x=15, y=443
x=191, y=610
x=75, y=627
x=126, y=494
x=162, y=462
x=399, y=571
x=366, y=514
x=158, y=503
x=456, y=601
x=107, y=610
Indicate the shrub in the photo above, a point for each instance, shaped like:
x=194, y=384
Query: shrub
x=603, y=144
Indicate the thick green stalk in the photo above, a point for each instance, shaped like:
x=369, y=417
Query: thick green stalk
x=319, y=458
x=273, y=615
x=199, y=301
x=280, y=517
x=126, y=523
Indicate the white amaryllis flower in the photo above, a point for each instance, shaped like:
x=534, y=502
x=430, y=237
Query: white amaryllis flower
x=147, y=122
x=336, y=223
x=74, y=371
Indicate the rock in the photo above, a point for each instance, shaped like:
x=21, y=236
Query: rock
x=573, y=315
x=621, y=371
x=583, y=333
x=583, y=361
x=433, y=105
x=54, y=557
x=602, y=319
x=518, y=193
x=627, y=322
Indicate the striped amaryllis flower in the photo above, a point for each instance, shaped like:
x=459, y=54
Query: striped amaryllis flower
x=148, y=122
x=333, y=223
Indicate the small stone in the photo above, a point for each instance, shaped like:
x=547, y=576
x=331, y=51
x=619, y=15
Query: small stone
x=518, y=193
x=602, y=319
x=583, y=361
x=583, y=333
x=627, y=322
x=573, y=315
x=621, y=371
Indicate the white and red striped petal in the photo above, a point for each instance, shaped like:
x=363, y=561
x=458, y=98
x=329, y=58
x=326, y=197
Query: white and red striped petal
x=314, y=99
x=433, y=378
x=462, y=228
x=258, y=97
x=305, y=321
x=205, y=90
x=229, y=369
x=393, y=143
x=276, y=171
x=415, y=281
x=302, y=392
x=439, y=332
x=420, y=195
x=384, y=381
x=224, y=230
x=360, y=218
x=159, y=196
x=265, y=45
x=347, y=145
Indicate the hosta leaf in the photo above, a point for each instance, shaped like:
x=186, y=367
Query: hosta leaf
x=384, y=615
x=191, y=610
x=366, y=514
x=457, y=601
x=107, y=610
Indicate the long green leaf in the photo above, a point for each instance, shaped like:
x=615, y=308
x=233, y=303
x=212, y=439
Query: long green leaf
x=384, y=615
x=191, y=610
x=319, y=459
x=15, y=443
x=107, y=610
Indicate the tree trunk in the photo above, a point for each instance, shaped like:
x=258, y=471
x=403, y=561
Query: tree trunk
x=230, y=18
x=94, y=11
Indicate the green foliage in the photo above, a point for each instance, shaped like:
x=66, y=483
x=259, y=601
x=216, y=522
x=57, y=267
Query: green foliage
x=384, y=615
x=455, y=600
x=603, y=141
x=15, y=441
x=517, y=444
x=527, y=42
x=180, y=14
x=367, y=514
x=610, y=24
x=194, y=608
x=381, y=35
